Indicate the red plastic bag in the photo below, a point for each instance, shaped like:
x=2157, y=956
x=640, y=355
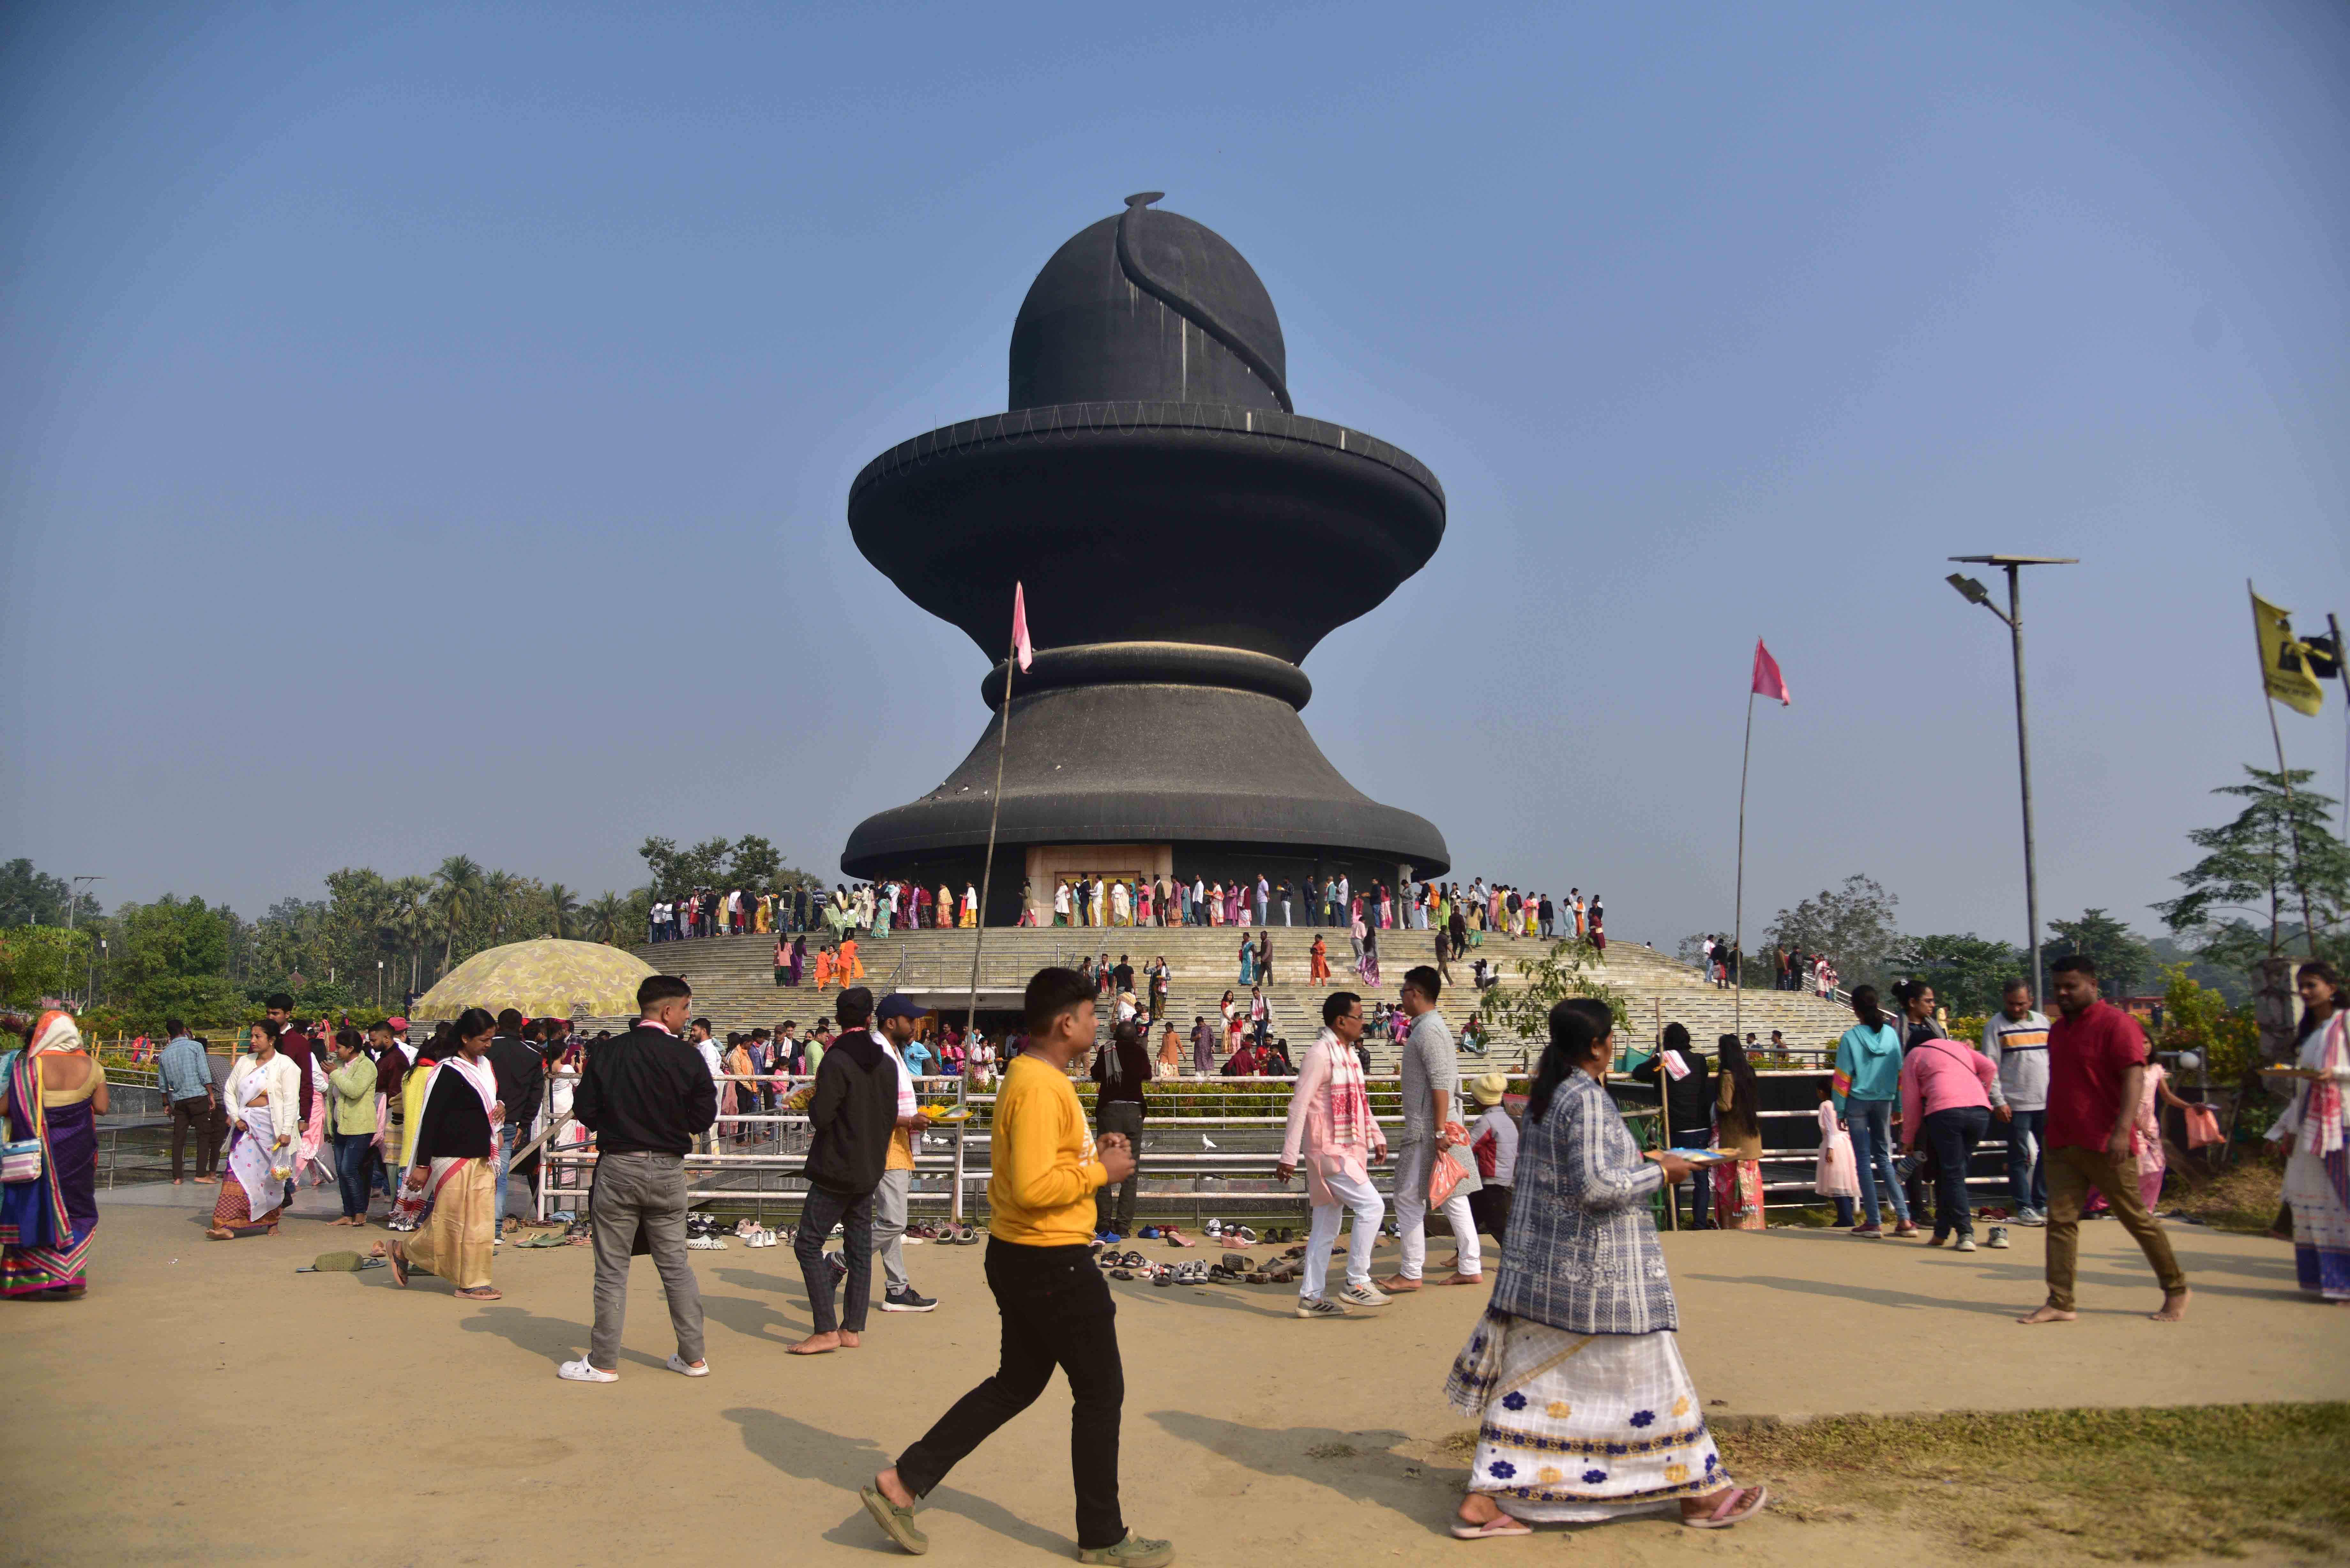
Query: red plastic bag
x=2202, y=1126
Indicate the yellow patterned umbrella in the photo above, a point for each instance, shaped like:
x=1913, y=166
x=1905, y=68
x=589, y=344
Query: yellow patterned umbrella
x=542, y=978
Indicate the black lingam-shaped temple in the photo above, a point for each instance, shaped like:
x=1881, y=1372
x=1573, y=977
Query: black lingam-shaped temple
x=1186, y=538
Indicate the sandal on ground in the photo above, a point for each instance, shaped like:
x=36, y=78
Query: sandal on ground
x=483, y=1294
x=220, y=1233
x=398, y=1262
x=1500, y=1524
x=1737, y=1503
x=897, y=1522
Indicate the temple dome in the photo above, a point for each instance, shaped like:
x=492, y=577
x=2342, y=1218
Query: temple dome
x=1148, y=307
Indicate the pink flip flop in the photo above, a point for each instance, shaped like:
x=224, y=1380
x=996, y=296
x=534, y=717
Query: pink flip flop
x=1737, y=1503
x=1500, y=1524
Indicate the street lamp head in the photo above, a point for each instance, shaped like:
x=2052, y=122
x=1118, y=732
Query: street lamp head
x=1968, y=588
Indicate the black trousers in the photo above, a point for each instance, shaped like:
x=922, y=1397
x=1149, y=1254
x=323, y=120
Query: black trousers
x=196, y=1116
x=853, y=1212
x=1057, y=1311
x=1951, y=1135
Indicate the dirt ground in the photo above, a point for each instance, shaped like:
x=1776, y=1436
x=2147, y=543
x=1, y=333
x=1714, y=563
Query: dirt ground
x=204, y=1401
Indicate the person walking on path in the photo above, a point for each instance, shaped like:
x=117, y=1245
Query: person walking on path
x=1867, y=1081
x=2015, y=1039
x=1585, y=1410
x=1122, y=1069
x=351, y=1124
x=1738, y=1116
x=901, y=1020
x=1054, y=1303
x=453, y=1169
x=1946, y=1092
x=1333, y=1135
x=1432, y=1127
x=647, y=1095
x=1203, y=1046
x=1689, y=1103
x=2096, y=1069
x=851, y=1120
x=188, y=1088
x=2317, y=1167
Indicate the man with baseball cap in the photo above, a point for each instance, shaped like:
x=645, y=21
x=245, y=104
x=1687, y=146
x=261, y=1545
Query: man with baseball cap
x=900, y=1019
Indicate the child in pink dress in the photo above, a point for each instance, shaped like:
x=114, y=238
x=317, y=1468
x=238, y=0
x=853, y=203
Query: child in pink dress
x=1836, y=1176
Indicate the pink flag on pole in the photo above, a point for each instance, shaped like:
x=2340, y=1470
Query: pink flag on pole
x=1768, y=682
x=1021, y=646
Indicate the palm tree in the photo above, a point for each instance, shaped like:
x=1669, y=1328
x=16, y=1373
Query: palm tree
x=456, y=884
x=604, y=918
x=562, y=903
x=499, y=888
x=411, y=917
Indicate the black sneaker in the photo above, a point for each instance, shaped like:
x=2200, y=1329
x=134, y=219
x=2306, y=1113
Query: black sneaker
x=839, y=1265
x=907, y=1300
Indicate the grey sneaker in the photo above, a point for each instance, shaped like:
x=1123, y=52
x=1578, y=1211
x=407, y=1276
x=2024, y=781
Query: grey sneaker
x=1319, y=1306
x=1365, y=1296
x=2031, y=1217
x=1134, y=1552
x=1965, y=1245
x=1997, y=1240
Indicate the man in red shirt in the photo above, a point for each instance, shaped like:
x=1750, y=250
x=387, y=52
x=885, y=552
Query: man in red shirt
x=2097, y=1072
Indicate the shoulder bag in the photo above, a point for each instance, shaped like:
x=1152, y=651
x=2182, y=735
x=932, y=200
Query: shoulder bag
x=20, y=1158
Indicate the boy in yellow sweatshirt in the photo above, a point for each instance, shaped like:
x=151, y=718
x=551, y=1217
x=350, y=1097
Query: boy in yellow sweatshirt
x=1056, y=1305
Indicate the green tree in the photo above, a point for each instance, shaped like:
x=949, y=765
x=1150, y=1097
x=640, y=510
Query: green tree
x=607, y=919
x=1853, y=925
x=2197, y=1018
x=1569, y=969
x=561, y=909
x=2275, y=857
x=31, y=897
x=456, y=888
x=2120, y=954
x=39, y=962
x=499, y=891
x=1967, y=972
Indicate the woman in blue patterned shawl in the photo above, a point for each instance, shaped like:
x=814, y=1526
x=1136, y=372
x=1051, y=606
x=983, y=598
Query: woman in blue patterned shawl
x=1585, y=1411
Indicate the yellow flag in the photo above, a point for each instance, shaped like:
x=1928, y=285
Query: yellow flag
x=2284, y=662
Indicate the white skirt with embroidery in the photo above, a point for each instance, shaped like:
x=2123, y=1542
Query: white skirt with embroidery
x=1580, y=1427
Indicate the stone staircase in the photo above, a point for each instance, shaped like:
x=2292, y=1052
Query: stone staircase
x=734, y=981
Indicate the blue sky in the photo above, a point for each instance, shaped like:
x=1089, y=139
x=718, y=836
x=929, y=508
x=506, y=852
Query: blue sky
x=428, y=429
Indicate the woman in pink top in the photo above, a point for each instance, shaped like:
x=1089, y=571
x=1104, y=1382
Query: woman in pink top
x=1333, y=1137
x=1946, y=1093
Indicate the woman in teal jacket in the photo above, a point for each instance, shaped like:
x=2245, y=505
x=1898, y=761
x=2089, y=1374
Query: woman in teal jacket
x=1867, y=1082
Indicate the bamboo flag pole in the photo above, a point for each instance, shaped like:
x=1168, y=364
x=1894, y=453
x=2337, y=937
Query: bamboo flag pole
x=2284, y=777
x=1738, y=908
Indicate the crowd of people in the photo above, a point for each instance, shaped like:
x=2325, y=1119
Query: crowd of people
x=874, y=909
x=1791, y=968
x=1585, y=1410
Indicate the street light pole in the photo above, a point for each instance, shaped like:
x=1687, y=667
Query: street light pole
x=1974, y=593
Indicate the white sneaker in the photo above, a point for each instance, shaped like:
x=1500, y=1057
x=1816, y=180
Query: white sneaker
x=679, y=1363
x=580, y=1371
x=1966, y=1244
x=1319, y=1306
x=1365, y=1296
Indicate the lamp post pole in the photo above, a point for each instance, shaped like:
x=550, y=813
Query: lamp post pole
x=1974, y=593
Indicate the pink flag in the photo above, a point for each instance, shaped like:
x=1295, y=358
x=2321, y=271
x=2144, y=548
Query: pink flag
x=1021, y=646
x=1768, y=682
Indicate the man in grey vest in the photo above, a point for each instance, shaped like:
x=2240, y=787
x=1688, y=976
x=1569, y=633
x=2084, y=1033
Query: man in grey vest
x=1432, y=1128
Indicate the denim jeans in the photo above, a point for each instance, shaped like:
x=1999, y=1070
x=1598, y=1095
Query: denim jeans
x=2027, y=1160
x=353, y=1152
x=1700, y=1185
x=505, y=1158
x=1952, y=1135
x=853, y=1212
x=1056, y=1310
x=1871, y=1122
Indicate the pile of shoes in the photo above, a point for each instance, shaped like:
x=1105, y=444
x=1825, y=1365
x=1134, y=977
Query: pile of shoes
x=1233, y=1235
x=1191, y=1273
x=702, y=1234
x=755, y=1234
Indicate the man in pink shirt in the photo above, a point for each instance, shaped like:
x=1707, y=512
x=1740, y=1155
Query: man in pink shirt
x=1333, y=1135
x=1946, y=1093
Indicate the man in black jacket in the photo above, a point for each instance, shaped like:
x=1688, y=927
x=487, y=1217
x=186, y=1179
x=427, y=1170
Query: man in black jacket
x=850, y=1118
x=521, y=1073
x=1689, y=1102
x=645, y=1095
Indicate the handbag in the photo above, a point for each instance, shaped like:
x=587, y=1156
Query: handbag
x=1444, y=1172
x=20, y=1158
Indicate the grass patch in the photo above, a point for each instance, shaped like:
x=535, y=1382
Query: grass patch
x=1331, y=1451
x=2243, y=1196
x=2141, y=1485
